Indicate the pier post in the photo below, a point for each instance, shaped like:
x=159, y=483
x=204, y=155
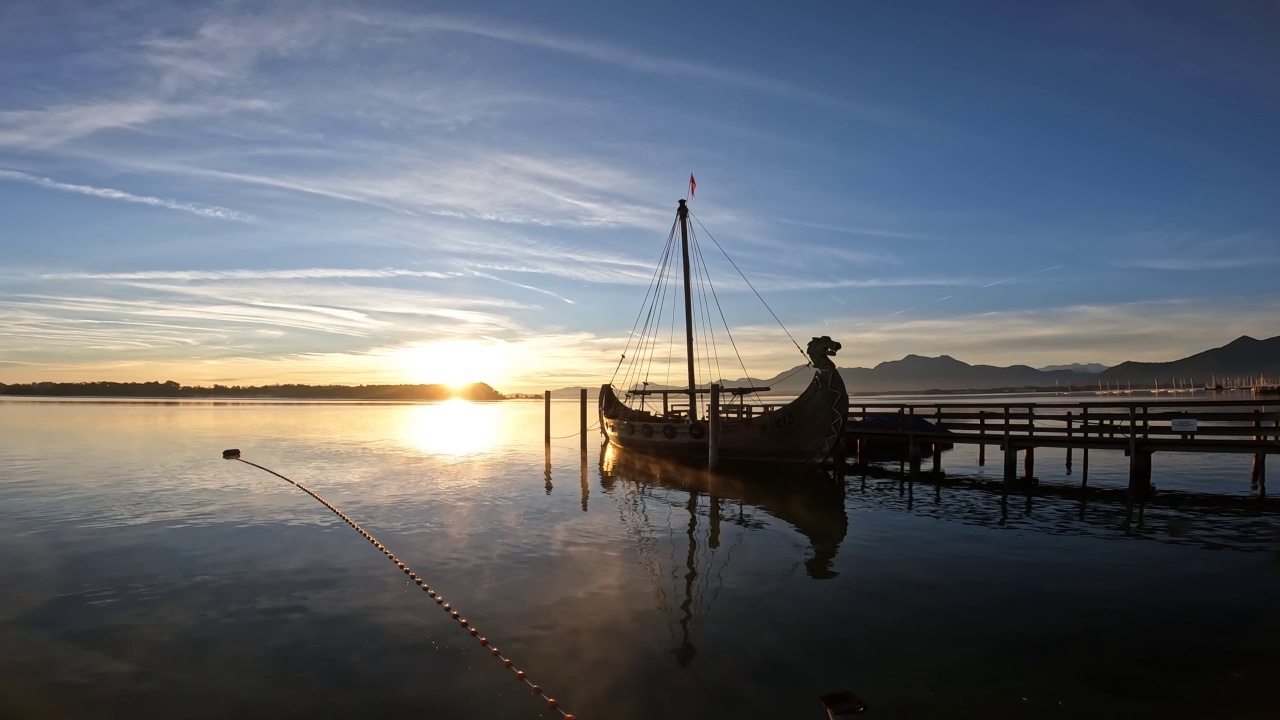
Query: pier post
x=546, y=417
x=1258, y=478
x=1068, y=442
x=1139, y=475
x=1084, y=434
x=913, y=455
x=586, y=487
x=582, y=418
x=937, y=444
x=1010, y=465
x=1029, y=464
x=713, y=429
x=1258, y=474
x=982, y=430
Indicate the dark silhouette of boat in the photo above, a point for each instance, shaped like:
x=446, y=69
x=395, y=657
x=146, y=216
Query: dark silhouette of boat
x=806, y=430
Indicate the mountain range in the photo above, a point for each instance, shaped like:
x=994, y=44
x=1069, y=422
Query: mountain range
x=1242, y=357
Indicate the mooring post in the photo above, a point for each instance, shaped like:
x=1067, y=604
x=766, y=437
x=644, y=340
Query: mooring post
x=982, y=431
x=546, y=417
x=913, y=455
x=586, y=487
x=1084, y=435
x=1068, y=442
x=1010, y=465
x=582, y=418
x=1258, y=478
x=713, y=429
x=1029, y=462
x=1139, y=475
x=937, y=444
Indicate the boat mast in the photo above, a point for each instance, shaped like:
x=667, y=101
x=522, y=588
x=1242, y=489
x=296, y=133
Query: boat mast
x=683, y=213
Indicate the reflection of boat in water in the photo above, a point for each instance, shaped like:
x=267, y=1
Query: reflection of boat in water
x=813, y=505
x=805, y=430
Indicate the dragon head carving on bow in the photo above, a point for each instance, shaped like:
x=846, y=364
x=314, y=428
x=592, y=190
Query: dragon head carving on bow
x=820, y=351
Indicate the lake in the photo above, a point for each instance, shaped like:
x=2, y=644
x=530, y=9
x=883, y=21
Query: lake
x=144, y=576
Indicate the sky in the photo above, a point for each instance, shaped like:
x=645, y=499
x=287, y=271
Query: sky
x=396, y=192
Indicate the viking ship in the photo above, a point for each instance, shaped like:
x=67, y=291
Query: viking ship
x=735, y=425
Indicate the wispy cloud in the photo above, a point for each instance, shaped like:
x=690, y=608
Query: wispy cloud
x=495, y=278
x=863, y=231
x=1183, y=250
x=210, y=211
x=293, y=274
x=631, y=59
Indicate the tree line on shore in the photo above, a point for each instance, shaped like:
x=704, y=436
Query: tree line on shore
x=172, y=389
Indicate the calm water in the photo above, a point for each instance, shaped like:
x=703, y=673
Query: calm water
x=143, y=576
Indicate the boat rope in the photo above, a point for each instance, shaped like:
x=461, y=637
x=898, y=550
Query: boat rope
x=593, y=426
x=753, y=287
x=453, y=613
x=698, y=252
x=645, y=344
x=666, y=251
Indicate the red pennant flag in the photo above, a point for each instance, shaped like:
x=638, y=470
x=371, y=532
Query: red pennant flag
x=693, y=185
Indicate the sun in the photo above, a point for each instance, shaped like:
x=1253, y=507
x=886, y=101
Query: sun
x=454, y=362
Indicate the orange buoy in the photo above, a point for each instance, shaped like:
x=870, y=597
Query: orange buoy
x=537, y=689
x=520, y=674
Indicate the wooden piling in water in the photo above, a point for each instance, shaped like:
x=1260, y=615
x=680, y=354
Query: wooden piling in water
x=1258, y=474
x=1068, y=440
x=713, y=429
x=937, y=445
x=1258, y=477
x=1084, y=433
x=913, y=455
x=982, y=430
x=1139, y=475
x=546, y=416
x=1010, y=465
x=1029, y=460
x=582, y=418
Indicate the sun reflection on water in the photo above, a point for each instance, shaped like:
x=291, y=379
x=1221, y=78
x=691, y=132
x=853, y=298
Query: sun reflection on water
x=456, y=428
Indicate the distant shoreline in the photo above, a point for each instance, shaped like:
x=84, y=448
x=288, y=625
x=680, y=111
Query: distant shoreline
x=170, y=390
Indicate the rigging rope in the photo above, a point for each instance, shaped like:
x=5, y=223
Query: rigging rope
x=642, y=304
x=725, y=322
x=462, y=622
x=753, y=287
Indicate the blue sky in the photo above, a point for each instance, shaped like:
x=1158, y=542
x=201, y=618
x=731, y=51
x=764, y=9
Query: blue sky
x=366, y=192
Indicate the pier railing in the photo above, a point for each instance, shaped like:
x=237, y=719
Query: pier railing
x=1138, y=427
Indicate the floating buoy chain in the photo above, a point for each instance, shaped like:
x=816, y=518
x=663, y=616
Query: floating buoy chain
x=440, y=601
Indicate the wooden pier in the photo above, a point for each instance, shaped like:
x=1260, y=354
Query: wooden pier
x=1139, y=428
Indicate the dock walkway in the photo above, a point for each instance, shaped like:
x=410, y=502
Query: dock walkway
x=1140, y=428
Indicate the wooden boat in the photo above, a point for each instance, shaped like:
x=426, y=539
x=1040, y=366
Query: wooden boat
x=806, y=430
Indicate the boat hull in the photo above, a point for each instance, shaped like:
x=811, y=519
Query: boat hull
x=806, y=430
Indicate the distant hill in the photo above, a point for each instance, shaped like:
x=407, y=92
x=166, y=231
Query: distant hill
x=913, y=373
x=171, y=389
x=1094, y=368
x=1242, y=357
